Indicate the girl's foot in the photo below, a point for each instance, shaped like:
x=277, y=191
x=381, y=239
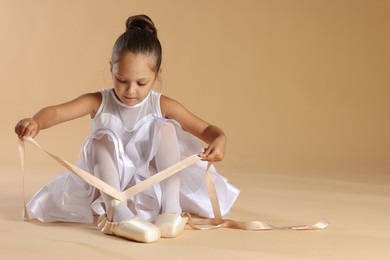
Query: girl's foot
x=135, y=229
x=170, y=224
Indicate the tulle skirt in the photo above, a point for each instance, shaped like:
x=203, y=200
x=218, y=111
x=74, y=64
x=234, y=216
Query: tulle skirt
x=68, y=198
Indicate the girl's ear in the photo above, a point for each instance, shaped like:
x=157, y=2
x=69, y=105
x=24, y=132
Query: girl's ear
x=110, y=66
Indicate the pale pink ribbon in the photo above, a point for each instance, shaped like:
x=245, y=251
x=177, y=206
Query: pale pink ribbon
x=211, y=223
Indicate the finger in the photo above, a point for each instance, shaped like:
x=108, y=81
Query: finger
x=23, y=123
x=24, y=126
x=24, y=134
x=215, y=156
x=209, y=156
x=19, y=127
x=27, y=133
x=30, y=130
x=22, y=130
x=206, y=152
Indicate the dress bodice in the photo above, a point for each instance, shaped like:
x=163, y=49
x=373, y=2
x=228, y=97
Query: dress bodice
x=124, y=120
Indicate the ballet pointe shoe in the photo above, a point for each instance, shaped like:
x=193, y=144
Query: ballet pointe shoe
x=135, y=229
x=170, y=224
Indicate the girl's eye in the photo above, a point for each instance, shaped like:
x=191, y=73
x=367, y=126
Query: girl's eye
x=121, y=81
x=141, y=84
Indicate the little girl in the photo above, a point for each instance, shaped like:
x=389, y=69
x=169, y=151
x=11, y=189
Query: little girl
x=136, y=133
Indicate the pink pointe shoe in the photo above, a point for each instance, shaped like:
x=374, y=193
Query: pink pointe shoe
x=135, y=229
x=170, y=224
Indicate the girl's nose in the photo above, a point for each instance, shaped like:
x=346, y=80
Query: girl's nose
x=131, y=88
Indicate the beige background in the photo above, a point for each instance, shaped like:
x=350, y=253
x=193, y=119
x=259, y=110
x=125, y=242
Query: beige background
x=302, y=89
x=297, y=85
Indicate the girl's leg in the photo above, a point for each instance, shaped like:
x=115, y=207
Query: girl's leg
x=168, y=153
x=105, y=169
x=170, y=222
x=123, y=223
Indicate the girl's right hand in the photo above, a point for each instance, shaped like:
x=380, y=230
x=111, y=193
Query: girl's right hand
x=26, y=127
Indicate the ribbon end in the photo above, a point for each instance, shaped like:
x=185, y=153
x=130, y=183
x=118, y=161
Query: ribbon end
x=26, y=216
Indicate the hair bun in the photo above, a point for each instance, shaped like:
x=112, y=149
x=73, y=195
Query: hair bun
x=141, y=22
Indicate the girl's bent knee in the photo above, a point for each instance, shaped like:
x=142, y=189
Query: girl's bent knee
x=101, y=147
x=167, y=128
x=102, y=141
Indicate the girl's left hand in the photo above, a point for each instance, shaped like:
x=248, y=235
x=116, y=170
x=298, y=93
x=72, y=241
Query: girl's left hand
x=215, y=151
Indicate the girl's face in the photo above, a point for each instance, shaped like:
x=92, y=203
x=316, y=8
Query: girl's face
x=133, y=77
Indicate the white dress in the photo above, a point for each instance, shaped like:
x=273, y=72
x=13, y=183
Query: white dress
x=70, y=199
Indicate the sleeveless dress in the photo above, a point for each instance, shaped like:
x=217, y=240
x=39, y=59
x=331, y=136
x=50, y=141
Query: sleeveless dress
x=68, y=198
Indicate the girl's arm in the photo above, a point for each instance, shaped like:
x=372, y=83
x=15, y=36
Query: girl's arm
x=212, y=135
x=52, y=115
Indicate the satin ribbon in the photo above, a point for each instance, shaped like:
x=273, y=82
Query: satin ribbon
x=211, y=223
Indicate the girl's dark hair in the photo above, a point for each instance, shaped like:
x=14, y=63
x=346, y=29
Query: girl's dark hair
x=140, y=38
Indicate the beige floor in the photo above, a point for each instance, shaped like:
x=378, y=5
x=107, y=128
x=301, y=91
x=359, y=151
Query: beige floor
x=357, y=208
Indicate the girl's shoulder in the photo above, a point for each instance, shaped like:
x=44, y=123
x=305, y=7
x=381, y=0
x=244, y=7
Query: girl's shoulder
x=170, y=106
x=93, y=100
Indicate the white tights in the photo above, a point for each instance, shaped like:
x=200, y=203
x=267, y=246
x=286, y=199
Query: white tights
x=168, y=153
x=105, y=169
